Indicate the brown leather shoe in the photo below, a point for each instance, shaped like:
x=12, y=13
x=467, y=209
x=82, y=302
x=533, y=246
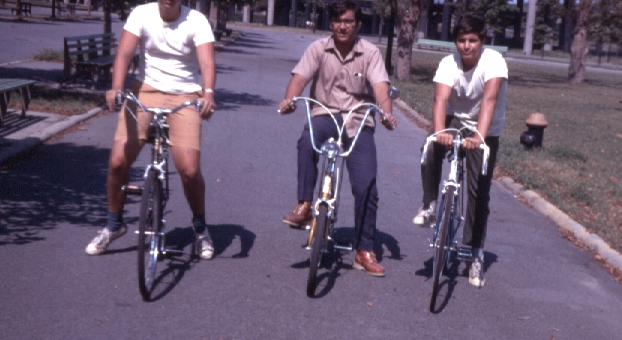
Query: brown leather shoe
x=300, y=214
x=366, y=261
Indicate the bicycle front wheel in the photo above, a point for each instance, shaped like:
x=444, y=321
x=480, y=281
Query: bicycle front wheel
x=441, y=243
x=317, y=245
x=149, y=233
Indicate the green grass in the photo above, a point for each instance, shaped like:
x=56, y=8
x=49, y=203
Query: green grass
x=49, y=54
x=579, y=168
x=58, y=101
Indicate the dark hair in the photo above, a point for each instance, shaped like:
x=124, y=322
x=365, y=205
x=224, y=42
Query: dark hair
x=337, y=8
x=470, y=23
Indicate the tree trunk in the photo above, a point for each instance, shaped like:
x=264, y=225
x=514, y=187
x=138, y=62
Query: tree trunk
x=407, y=19
x=107, y=16
x=578, y=50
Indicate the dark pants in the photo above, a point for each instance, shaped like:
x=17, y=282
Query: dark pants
x=362, y=168
x=477, y=185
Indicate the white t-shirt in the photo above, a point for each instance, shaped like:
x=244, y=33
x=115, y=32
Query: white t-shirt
x=467, y=89
x=168, y=59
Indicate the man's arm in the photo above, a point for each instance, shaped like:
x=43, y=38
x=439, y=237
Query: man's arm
x=205, y=55
x=381, y=91
x=296, y=84
x=125, y=53
x=439, y=113
x=486, y=111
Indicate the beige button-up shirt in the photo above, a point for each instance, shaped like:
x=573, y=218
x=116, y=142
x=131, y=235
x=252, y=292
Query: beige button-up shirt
x=342, y=83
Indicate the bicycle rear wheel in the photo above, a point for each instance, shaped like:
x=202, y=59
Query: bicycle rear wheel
x=441, y=243
x=149, y=233
x=317, y=245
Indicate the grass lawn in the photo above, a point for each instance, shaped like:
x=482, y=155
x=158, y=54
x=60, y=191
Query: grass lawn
x=579, y=168
x=44, y=99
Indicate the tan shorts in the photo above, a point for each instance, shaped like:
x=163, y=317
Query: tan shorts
x=185, y=125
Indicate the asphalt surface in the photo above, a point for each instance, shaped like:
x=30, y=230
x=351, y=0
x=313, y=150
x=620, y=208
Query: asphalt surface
x=53, y=201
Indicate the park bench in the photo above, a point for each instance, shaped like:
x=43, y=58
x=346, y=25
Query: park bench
x=449, y=46
x=69, y=10
x=89, y=55
x=6, y=86
x=25, y=8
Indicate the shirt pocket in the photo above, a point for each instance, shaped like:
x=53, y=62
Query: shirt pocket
x=355, y=82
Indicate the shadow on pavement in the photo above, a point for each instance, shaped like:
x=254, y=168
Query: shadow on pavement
x=51, y=185
x=449, y=278
x=333, y=261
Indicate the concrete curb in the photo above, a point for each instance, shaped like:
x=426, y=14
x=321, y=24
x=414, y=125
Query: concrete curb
x=41, y=136
x=594, y=242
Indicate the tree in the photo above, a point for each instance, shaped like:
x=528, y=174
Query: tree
x=497, y=13
x=547, y=15
x=605, y=24
x=578, y=50
x=407, y=15
x=383, y=9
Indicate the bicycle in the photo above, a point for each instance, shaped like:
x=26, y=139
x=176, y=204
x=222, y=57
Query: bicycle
x=449, y=216
x=327, y=202
x=154, y=193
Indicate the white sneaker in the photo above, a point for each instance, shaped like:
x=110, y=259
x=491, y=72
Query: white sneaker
x=476, y=273
x=99, y=244
x=205, y=246
x=424, y=215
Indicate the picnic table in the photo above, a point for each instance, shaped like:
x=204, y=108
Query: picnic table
x=9, y=84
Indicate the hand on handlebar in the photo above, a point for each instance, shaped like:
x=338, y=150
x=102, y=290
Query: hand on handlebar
x=444, y=138
x=111, y=99
x=388, y=121
x=287, y=106
x=208, y=107
x=472, y=143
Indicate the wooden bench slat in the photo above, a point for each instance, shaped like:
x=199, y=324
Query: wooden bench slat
x=85, y=53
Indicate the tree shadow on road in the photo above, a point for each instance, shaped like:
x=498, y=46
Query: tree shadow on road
x=51, y=185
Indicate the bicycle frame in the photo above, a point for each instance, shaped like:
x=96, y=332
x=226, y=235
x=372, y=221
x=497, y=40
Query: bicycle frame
x=454, y=179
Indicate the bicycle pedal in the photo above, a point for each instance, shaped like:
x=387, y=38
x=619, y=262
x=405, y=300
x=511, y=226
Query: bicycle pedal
x=463, y=254
x=345, y=246
x=133, y=190
x=173, y=252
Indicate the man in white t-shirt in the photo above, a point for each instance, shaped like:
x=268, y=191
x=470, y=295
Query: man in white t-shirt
x=176, y=65
x=471, y=87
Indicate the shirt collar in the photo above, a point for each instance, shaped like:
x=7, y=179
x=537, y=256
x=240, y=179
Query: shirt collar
x=356, y=49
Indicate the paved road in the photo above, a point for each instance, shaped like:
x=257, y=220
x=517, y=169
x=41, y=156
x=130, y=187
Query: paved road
x=52, y=201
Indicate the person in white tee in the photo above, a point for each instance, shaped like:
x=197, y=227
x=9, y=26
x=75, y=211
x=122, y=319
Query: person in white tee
x=471, y=87
x=176, y=65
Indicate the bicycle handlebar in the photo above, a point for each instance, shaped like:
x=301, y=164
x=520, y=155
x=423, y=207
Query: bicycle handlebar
x=128, y=95
x=372, y=108
x=458, y=141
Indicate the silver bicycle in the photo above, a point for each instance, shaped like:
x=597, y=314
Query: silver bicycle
x=450, y=210
x=154, y=192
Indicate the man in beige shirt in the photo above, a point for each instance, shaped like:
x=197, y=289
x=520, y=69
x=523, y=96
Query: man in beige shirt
x=345, y=71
